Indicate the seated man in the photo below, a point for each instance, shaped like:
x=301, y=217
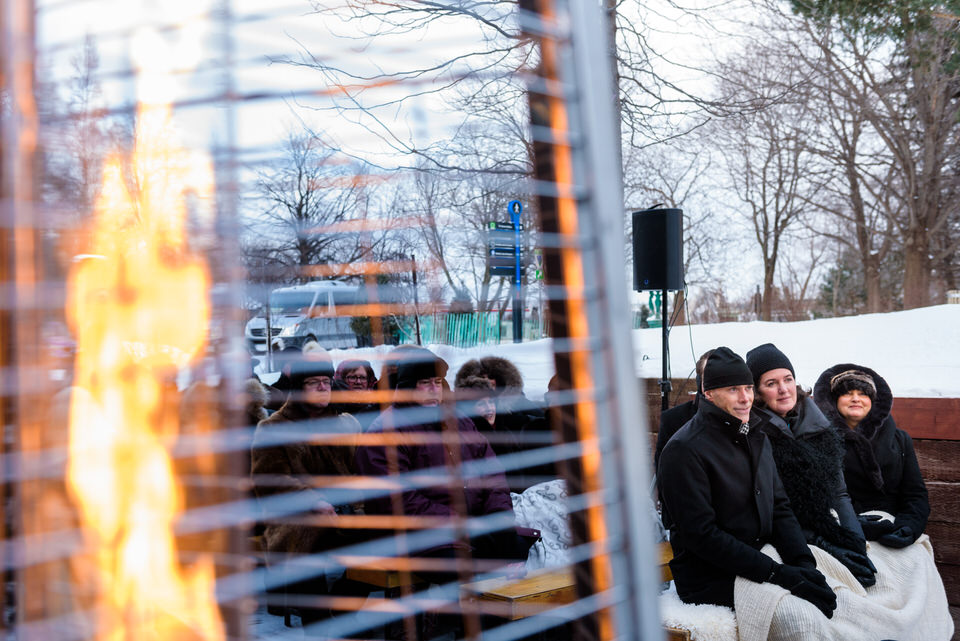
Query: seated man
x=719, y=481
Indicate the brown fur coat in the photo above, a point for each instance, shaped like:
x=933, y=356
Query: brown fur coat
x=289, y=467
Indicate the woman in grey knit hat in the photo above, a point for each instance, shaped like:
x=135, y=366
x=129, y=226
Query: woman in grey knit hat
x=880, y=464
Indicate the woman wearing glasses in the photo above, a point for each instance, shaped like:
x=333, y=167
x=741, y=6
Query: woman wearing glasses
x=353, y=385
x=284, y=462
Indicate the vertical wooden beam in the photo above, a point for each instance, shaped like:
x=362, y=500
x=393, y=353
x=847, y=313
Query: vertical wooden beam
x=25, y=391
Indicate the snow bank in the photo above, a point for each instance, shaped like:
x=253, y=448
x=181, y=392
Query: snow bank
x=917, y=351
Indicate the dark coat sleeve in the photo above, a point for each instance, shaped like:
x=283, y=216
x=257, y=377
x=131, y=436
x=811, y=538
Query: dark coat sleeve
x=844, y=508
x=788, y=536
x=685, y=487
x=913, y=504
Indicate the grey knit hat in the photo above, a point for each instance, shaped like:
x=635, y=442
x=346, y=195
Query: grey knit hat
x=852, y=379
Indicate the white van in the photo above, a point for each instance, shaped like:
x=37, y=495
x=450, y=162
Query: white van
x=304, y=313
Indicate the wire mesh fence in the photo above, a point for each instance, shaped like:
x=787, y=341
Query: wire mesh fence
x=220, y=222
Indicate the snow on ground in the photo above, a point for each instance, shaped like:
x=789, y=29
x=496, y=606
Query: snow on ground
x=916, y=351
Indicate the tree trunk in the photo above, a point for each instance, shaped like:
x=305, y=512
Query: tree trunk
x=916, y=271
x=871, y=282
x=766, y=306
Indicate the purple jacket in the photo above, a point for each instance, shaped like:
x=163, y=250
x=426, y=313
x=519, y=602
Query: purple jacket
x=484, y=495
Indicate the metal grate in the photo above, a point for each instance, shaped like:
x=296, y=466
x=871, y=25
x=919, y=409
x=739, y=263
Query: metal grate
x=161, y=271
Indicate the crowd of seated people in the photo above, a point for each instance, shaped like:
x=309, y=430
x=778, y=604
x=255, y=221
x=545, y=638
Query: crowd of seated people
x=758, y=478
x=320, y=410
x=763, y=483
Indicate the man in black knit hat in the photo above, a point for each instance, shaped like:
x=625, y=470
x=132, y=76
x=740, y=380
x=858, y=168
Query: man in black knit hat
x=718, y=479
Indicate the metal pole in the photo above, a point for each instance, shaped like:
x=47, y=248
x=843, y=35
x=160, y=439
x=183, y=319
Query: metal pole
x=416, y=301
x=665, y=386
x=515, y=209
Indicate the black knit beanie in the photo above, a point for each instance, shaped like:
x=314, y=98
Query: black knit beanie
x=316, y=363
x=418, y=364
x=852, y=379
x=766, y=357
x=725, y=368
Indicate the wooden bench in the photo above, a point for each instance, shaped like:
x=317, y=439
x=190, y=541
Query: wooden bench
x=520, y=598
x=513, y=598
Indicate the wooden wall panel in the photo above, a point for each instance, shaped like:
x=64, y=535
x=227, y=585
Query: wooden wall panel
x=939, y=460
x=928, y=418
x=945, y=538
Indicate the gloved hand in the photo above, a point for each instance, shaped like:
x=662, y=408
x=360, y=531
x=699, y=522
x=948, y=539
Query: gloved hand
x=808, y=585
x=859, y=564
x=899, y=538
x=874, y=526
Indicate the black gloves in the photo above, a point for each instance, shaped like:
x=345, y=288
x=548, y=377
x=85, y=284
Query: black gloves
x=874, y=526
x=899, y=538
x=859, y=564
x=807, y=584
x=886, y=532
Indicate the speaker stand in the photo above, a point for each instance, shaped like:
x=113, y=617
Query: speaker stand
x=665, y=386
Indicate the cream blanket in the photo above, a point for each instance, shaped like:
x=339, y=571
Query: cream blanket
x=907, y=603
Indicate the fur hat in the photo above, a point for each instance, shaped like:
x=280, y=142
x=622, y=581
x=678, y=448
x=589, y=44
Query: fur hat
x=499, y=370
x=766, y=357
x=725, y=368
x=852, y=379
x=475, y=388
x=315, y=363
x=418, y=364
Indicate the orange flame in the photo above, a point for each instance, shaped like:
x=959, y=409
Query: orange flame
x=139, y=311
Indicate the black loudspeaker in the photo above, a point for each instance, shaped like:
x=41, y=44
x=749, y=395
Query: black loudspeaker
x=658, y=249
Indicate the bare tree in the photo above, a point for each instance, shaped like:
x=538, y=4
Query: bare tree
x=768, y=163
x=308, y=198
x=910, y=99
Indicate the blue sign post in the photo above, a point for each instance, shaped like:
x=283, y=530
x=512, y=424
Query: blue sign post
x=515, y=208
x=505, y=258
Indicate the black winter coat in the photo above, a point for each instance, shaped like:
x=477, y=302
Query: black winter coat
x=880, y=465
x=672, y=420
x=727, y=502
x=809, y=455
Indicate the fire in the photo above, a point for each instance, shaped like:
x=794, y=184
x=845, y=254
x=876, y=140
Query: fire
x=139, y=311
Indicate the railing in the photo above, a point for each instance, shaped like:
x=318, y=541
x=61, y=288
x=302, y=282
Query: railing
x=467, y=330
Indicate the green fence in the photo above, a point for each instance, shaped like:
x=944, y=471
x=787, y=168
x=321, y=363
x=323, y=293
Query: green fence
x=467, y=330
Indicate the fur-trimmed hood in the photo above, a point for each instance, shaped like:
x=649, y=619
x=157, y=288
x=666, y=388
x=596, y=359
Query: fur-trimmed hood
x=257, y=397
x=500, y=370
x=879, y=411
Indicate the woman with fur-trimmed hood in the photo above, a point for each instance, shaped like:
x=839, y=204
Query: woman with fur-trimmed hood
x=512, y=405
x=809, y=458
x=880, y=464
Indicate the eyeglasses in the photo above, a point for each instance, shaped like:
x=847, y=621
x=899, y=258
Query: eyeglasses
x=317, y=383
x=358, y=378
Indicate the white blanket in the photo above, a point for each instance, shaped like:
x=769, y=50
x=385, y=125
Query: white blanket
x=907, y=603
x=544, y=507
